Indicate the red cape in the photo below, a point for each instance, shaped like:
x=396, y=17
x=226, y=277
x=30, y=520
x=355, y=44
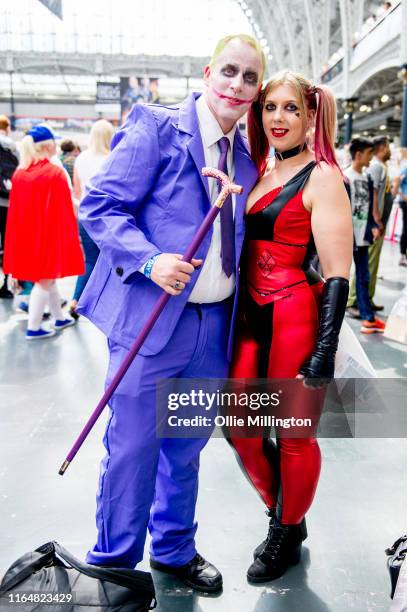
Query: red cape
x=42, y=240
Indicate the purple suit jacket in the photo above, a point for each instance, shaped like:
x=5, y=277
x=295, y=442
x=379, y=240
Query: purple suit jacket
x=150, y=196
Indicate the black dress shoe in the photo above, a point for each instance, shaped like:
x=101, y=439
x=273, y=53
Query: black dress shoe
x=353, y=311
x=377, y=307
x=271, y=513
x=198, y=574
x=282, y=549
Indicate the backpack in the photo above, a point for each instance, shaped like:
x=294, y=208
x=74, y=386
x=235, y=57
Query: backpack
x=8, y=164
x=51, y=578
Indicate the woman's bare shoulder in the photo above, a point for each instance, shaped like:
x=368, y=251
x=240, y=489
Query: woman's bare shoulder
x=326, y=173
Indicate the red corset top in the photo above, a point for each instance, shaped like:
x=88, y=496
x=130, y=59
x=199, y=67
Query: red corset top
x=276, y=246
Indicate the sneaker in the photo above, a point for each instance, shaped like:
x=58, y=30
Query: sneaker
x=61, y=324
x=39, y=334
x=371, y=327
x=22, y=307
x=353, y=312
x=403, y=261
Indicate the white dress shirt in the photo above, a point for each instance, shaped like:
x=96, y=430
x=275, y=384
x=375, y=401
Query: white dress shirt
x=213, y=285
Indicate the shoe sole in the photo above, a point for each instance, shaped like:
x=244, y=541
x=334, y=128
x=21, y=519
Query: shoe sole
x=57, y=329
x=201, y=589
x=29, y=338
x=369, y=330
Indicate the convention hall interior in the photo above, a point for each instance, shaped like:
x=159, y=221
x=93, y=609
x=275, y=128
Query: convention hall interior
x=66, y=64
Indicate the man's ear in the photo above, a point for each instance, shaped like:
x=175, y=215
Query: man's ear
x=207, y=72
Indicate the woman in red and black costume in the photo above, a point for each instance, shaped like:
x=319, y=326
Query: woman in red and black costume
x=290, y=320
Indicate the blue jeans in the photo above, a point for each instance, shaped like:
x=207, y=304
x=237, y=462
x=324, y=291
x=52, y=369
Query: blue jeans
x=91, y=252
x=361, y=258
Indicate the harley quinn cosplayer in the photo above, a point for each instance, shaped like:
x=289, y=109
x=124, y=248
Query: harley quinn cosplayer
x=290, y=322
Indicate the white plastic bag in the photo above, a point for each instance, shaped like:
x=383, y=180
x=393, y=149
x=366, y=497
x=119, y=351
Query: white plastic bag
x=351, y=360
x=396, y=326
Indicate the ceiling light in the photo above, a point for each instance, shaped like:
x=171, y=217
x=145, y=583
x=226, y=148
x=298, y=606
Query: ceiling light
x=363, y=108
x=382, y=127
x=385, y=98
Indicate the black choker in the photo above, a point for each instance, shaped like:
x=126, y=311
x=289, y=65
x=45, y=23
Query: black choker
x=291, y=152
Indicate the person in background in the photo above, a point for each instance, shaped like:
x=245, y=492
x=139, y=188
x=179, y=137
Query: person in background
x=69, y=152
x=8, y=164
x=399, y=190
x=42, y=242
x=87, y=164
x=365, y=230
x=377, y=171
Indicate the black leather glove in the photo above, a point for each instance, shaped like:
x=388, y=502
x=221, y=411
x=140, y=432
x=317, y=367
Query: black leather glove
x=321, y=364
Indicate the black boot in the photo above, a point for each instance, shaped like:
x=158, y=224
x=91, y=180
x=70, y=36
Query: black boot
x=282, y=549
x=4, y=291
x=271, y=513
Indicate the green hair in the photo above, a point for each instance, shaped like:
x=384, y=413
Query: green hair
x=246, y=38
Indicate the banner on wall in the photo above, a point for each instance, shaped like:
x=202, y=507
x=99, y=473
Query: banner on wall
x=136, y=90
x=107, y=97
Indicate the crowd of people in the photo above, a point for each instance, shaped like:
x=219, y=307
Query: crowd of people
x=40, y=196
x=372, y=189
x=372, y=194
x=288, y=317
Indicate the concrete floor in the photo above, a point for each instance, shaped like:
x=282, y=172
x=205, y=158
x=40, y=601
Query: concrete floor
x=49, y=388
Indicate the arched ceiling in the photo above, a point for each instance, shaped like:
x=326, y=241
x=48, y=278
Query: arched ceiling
x=303, y=34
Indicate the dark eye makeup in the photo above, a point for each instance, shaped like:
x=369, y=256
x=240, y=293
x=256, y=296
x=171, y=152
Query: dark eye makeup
x=290, y=107
x=250, y=76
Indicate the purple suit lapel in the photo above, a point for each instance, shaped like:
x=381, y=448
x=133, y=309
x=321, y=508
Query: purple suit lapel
x=188, y=123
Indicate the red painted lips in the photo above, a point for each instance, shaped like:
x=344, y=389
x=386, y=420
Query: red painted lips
x=232, y=101
x=279, y=132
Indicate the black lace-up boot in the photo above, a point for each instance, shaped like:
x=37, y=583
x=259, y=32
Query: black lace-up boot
x=272, y=513
x=282, y=548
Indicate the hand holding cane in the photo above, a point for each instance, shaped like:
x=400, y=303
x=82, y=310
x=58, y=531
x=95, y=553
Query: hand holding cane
x=227, y=188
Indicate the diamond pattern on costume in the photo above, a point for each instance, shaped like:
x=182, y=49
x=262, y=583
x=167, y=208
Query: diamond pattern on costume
x=266, y=263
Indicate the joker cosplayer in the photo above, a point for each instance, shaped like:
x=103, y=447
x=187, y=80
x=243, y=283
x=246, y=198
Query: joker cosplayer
x=142, y=210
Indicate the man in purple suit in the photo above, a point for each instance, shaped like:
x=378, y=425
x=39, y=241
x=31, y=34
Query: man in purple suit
x=142, y=210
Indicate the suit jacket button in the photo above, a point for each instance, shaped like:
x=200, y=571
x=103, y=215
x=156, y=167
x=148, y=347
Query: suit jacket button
x=119, y=271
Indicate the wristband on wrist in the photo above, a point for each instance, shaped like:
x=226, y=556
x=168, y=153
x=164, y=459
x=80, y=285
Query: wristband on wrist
x=149, y=265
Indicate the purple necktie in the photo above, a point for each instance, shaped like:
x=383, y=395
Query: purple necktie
x=226, y=217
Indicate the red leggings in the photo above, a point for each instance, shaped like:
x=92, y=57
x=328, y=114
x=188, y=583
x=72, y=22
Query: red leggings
x=274, y=343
